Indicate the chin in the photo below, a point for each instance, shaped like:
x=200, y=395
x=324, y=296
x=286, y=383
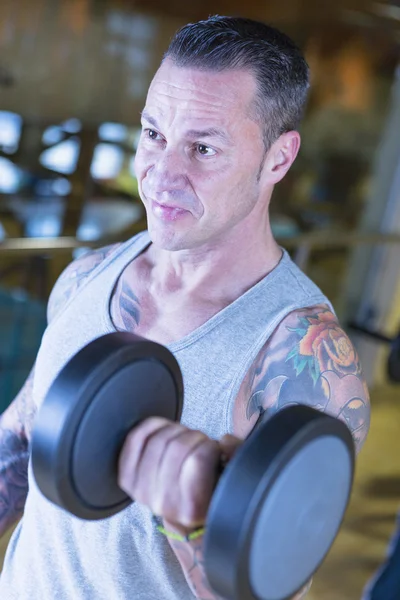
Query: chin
x=169, y=239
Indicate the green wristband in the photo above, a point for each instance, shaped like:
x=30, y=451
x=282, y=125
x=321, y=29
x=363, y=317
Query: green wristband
x=193, y=535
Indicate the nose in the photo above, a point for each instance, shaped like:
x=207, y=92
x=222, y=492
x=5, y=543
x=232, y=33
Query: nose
x=167, y=173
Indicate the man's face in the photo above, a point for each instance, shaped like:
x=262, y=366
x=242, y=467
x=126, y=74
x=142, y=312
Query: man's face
x=199, y=155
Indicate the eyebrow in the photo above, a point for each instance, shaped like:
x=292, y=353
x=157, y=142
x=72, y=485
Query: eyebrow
x=193, y=133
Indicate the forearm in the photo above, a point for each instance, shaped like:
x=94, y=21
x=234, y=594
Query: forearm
x=191, y=559
x=14, y=456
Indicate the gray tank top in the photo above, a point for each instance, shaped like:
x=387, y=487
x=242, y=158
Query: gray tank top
x=55, y=556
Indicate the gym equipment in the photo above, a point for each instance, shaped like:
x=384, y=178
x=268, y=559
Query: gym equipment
x=101, y=394
x=393, y=364
x=278, y=504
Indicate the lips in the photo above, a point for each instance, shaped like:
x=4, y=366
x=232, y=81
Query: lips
x=167, y=212
x=168, y=206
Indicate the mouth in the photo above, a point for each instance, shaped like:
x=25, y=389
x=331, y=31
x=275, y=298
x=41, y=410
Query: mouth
x=167, y=212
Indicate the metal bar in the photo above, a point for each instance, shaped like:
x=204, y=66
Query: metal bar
x=41, y=245
x=339, y=240
x=376, y=335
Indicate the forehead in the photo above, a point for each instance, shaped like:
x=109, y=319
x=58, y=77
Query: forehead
x=200, y=92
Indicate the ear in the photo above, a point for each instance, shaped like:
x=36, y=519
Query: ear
x=280, y=157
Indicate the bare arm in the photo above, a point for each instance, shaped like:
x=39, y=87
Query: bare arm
x=190, y=556
x=311, y=361
x=308, y=360
x=16, y=422
x=15, y=425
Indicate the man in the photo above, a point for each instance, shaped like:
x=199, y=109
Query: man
x=250, y=331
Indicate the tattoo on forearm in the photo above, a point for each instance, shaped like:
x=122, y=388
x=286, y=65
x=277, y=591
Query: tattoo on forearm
x=197, y=570
x=191, y=558
x=190, y=555
x=13, y=477
x=314, y=364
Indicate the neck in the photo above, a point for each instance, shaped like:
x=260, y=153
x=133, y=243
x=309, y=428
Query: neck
x=221, y=269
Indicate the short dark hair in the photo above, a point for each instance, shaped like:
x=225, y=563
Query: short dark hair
x=281, y=71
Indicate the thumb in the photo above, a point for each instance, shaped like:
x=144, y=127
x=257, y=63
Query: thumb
x=228, y=445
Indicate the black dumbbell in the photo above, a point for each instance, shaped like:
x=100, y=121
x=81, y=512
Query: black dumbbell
x=278, y=504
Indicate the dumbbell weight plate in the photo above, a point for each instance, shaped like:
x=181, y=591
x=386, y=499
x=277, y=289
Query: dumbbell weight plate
x=278, y=506
x=108, y=387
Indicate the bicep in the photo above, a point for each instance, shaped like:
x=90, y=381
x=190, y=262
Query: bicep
x=308, y=360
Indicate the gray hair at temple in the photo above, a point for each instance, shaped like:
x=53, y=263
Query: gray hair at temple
x=281, y=71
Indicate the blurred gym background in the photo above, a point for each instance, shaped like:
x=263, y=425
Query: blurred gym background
x=73, y=79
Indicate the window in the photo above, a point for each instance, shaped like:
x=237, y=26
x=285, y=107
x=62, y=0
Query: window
x=62, y=157
x=107, y=161
x=10, y=131
x=10, y=177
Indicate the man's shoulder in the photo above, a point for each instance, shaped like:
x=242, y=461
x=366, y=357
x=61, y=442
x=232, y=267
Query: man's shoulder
x=303, y=329
x=309, y=359
x=74, y=275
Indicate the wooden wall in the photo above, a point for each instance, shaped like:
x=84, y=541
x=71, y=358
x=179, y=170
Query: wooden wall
x=94, y=59
x=76, y=58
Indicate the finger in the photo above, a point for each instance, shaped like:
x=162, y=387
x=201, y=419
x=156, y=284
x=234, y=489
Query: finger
x=149, y=486
x=170, y=498
x=133, y=449
x=229, y=444
x=198, y=477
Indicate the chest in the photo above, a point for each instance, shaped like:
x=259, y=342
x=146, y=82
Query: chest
x=161, y=316
x=214, y=361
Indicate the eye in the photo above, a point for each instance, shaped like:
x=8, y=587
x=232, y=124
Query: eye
x=205, y=150
x=153, y=135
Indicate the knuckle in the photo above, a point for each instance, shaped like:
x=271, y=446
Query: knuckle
x=135, y=439
x=184, y=440
x=138, y=436
x=196, y=462
x=206, y=454
x=196, y=470
x=155, y=422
